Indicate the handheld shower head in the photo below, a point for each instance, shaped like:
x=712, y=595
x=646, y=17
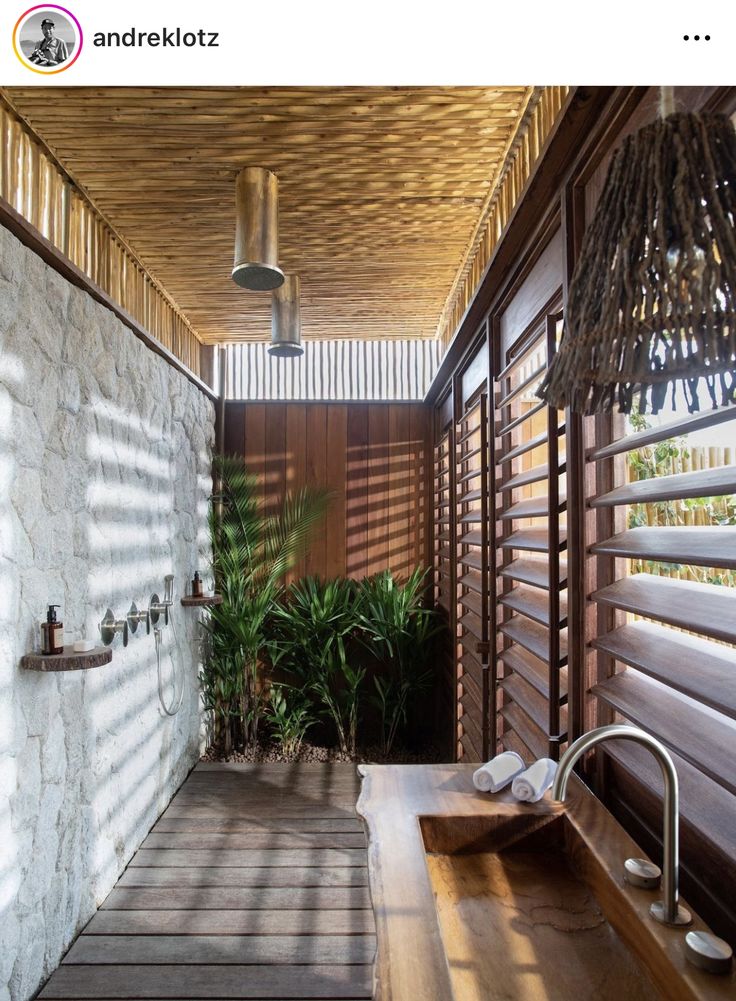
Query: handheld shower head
x=168, y=589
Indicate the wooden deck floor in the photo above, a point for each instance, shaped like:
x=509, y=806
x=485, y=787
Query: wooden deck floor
x=253, y=884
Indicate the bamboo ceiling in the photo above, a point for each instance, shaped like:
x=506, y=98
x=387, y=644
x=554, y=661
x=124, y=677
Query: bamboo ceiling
x=381, y=191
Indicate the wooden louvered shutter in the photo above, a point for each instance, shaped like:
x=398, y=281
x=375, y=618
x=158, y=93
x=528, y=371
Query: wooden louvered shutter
x=531, y=604
x=662, y=656
x=472, y=542
x=443, y=570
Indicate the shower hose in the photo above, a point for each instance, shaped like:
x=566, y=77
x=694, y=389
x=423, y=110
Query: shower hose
x=175, y=706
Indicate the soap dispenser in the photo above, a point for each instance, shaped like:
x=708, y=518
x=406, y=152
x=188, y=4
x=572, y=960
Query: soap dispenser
x=52, y=633
x=197, y=585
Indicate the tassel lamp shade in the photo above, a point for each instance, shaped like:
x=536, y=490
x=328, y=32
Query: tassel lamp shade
x=286, y=324
x=257, y=230
x=652, y=300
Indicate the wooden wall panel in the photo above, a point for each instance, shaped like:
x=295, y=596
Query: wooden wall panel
x=540, y=285
x=376, y=500
x=356, y=487
x=296, y=467
x=316, y=477
x=335, y=470
x=420, y=510
x=275, y=450
x=235, y=429
x=373, y=457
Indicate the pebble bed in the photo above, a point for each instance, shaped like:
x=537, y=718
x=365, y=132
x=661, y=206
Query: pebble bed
x=311, y=753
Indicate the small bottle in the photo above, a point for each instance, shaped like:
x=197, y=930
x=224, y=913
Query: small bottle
x=197, y=585
x=52, y=633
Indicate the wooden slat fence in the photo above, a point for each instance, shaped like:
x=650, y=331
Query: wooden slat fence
x=685, y=459
x=334, y=370
x=36, y=186
x=525, y=147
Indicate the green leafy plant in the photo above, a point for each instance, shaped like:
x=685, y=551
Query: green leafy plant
x=290, y=718
x=399, y=630
x=314, y=625
x=664, y=458
x=252, y=551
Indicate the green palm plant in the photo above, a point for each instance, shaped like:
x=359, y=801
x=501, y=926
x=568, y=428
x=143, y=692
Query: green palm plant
x=290, y=718
x=251, y=552
x=314, y=625
x=398, y=629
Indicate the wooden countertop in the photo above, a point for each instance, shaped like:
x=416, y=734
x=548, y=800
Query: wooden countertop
x=411, y=964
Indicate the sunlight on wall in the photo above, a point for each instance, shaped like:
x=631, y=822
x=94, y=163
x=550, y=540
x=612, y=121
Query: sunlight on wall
x=132, y=542
x=204, y=489
x=11, y=372
x=104, y=480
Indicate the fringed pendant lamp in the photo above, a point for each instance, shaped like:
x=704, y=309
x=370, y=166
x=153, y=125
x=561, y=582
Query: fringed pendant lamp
x=653, y=296
x=257, y=230
x=286, y=323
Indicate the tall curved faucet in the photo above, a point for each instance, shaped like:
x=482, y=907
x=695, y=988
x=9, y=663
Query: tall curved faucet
x=668, y=911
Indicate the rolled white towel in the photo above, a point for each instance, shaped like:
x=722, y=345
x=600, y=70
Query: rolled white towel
x=498, y=772
x=531, y=785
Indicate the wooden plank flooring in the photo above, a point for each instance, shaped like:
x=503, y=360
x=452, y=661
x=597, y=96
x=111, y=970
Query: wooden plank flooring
x=252, y=884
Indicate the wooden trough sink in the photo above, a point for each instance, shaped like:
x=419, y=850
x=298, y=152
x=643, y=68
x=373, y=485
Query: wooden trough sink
x=481, y=897
x=523, y=913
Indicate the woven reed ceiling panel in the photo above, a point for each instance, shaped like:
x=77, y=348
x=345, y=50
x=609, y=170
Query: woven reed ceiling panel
x=381, y=190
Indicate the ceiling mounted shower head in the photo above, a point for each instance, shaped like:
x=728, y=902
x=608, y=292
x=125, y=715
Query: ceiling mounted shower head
x=286, y=324
x=257, y=230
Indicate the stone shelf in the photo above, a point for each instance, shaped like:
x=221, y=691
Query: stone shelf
x=202, y=601
x=69, y=660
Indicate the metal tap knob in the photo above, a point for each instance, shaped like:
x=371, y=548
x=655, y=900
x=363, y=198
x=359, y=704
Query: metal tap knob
x=110, y=627
x=642, y=873
x=708, y=952
x=136, y=615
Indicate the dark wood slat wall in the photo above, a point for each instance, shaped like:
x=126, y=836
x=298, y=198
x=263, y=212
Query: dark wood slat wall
x=375, y=458
x=609, y=668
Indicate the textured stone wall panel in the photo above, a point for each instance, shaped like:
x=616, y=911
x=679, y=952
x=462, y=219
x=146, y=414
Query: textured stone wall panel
x=105, y=457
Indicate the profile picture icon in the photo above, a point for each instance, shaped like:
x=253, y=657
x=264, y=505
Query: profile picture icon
x=47, y=38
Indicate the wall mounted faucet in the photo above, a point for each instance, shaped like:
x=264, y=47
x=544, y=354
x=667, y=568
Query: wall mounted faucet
x=157, y=607
x=110, y=627
x=668, y=911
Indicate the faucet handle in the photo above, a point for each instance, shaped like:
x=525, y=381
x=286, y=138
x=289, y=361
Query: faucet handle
x=136, y=615
x=642, y=873
x=708, y=952
x=110, y=627
x=156, y=607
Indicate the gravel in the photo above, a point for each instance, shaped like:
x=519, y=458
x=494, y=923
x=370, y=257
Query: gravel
x=313, y=753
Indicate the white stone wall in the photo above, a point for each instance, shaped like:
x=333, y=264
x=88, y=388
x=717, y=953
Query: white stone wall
x=104, y=478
